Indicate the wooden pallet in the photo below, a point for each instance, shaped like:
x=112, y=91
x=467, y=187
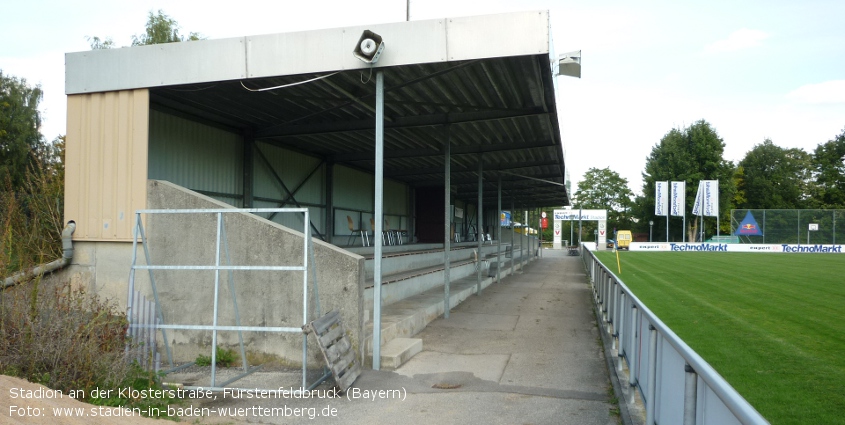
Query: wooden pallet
x=337, y=351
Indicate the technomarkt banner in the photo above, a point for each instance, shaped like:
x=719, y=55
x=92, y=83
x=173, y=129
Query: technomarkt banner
x=586, y=215
x=727, y=247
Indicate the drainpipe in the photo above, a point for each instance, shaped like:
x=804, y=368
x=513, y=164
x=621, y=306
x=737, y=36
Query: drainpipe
x=67, y=255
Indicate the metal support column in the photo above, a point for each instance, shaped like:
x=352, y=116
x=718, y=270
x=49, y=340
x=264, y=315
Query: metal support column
x=620, y=333
x=248, y=168
x=528, y=242
x=216, y=302
x=379, y=219
x=690, y=394
x=480, y=224
x=651, y=404
x=632, y=356
x=522, y=245
x=412, y=215
x=447, y=221
x=329, y=201
x=513, y=236
x=614, y=319
x=499, y=233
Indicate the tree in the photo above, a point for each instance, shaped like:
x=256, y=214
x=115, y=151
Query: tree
x=829, y=166
x=691, y=154
x=604, y=189
x=161, y=29
x=20, y=121
x=775, y=178
x=97, y=44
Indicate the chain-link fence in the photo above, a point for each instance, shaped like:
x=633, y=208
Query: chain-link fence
x=789, y=226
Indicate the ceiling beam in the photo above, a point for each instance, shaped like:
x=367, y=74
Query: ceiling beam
x=315, y=129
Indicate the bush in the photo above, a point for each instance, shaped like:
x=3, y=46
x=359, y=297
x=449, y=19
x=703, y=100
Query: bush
x=225, y=358
x=57, y=335
x=68, y=340
x=30, y=220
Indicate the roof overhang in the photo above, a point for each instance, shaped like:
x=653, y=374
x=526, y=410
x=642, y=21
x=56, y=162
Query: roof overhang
x=486, y=83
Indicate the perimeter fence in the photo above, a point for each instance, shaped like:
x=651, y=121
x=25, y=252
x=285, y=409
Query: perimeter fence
x=789, y=226
x=675, y=384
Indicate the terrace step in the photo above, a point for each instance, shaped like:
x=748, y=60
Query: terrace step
x=398, y=351
x=404, y=319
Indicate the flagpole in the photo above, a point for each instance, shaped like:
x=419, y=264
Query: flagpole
x=701, y=230
x=718, y=231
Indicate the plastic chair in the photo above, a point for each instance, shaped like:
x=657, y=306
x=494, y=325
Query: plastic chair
x=385, y=234
x=365, y=241
x=392, y=234
x=454, y=235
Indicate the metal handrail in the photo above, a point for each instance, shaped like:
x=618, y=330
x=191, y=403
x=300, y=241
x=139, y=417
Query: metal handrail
x=606, y=294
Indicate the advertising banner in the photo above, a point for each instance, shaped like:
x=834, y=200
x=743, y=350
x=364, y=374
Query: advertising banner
x=679, y=194
x=505, y=218
x=586, y=215
x=711, y=198
x=661, y=201
x=748, y=227
x=733, y=247
x=696, y=206
x=707, y=198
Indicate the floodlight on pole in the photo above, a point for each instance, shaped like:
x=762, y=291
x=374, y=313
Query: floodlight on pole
x=569, y=64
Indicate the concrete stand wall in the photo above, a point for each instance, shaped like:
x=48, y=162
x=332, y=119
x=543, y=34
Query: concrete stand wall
x=264, y=298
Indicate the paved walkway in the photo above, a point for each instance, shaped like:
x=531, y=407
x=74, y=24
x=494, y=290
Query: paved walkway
x=527, y=351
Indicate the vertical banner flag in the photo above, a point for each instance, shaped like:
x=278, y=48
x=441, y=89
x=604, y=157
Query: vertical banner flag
x=679, y=194
x=711, y=198
x=707, y=198
x=661, y=202
x=696, y=207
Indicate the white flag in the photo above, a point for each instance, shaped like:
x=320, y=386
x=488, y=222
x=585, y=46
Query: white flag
x=697, y=207
x=661, y=203
x=711, y=198
x=679, y=196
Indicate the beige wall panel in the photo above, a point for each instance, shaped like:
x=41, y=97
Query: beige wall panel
x=106, y=171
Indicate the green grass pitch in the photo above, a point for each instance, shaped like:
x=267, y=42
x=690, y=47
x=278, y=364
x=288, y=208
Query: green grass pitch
x=772, y=324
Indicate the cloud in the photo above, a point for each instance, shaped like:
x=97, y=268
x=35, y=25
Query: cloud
x=738, y=40
x=821, y=93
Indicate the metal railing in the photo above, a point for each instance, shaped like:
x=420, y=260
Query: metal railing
x=677, y=386
x=222, y=255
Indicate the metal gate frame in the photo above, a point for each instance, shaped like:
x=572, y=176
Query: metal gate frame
x=222, y=242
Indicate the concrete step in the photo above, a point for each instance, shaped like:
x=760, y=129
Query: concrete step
x=402, y=262
x=398, y=351
x=404, y=319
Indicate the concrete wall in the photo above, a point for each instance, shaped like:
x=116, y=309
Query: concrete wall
x=102, y=269
x=264, y=298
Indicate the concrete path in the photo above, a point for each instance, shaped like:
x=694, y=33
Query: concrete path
x=526, y=351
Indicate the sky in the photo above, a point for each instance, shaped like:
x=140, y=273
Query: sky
x=754, y=69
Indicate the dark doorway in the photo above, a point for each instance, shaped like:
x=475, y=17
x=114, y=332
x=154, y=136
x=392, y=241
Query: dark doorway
x=429, y=214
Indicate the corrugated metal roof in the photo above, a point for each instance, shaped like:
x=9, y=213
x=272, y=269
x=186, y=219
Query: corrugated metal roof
x=500, y=109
